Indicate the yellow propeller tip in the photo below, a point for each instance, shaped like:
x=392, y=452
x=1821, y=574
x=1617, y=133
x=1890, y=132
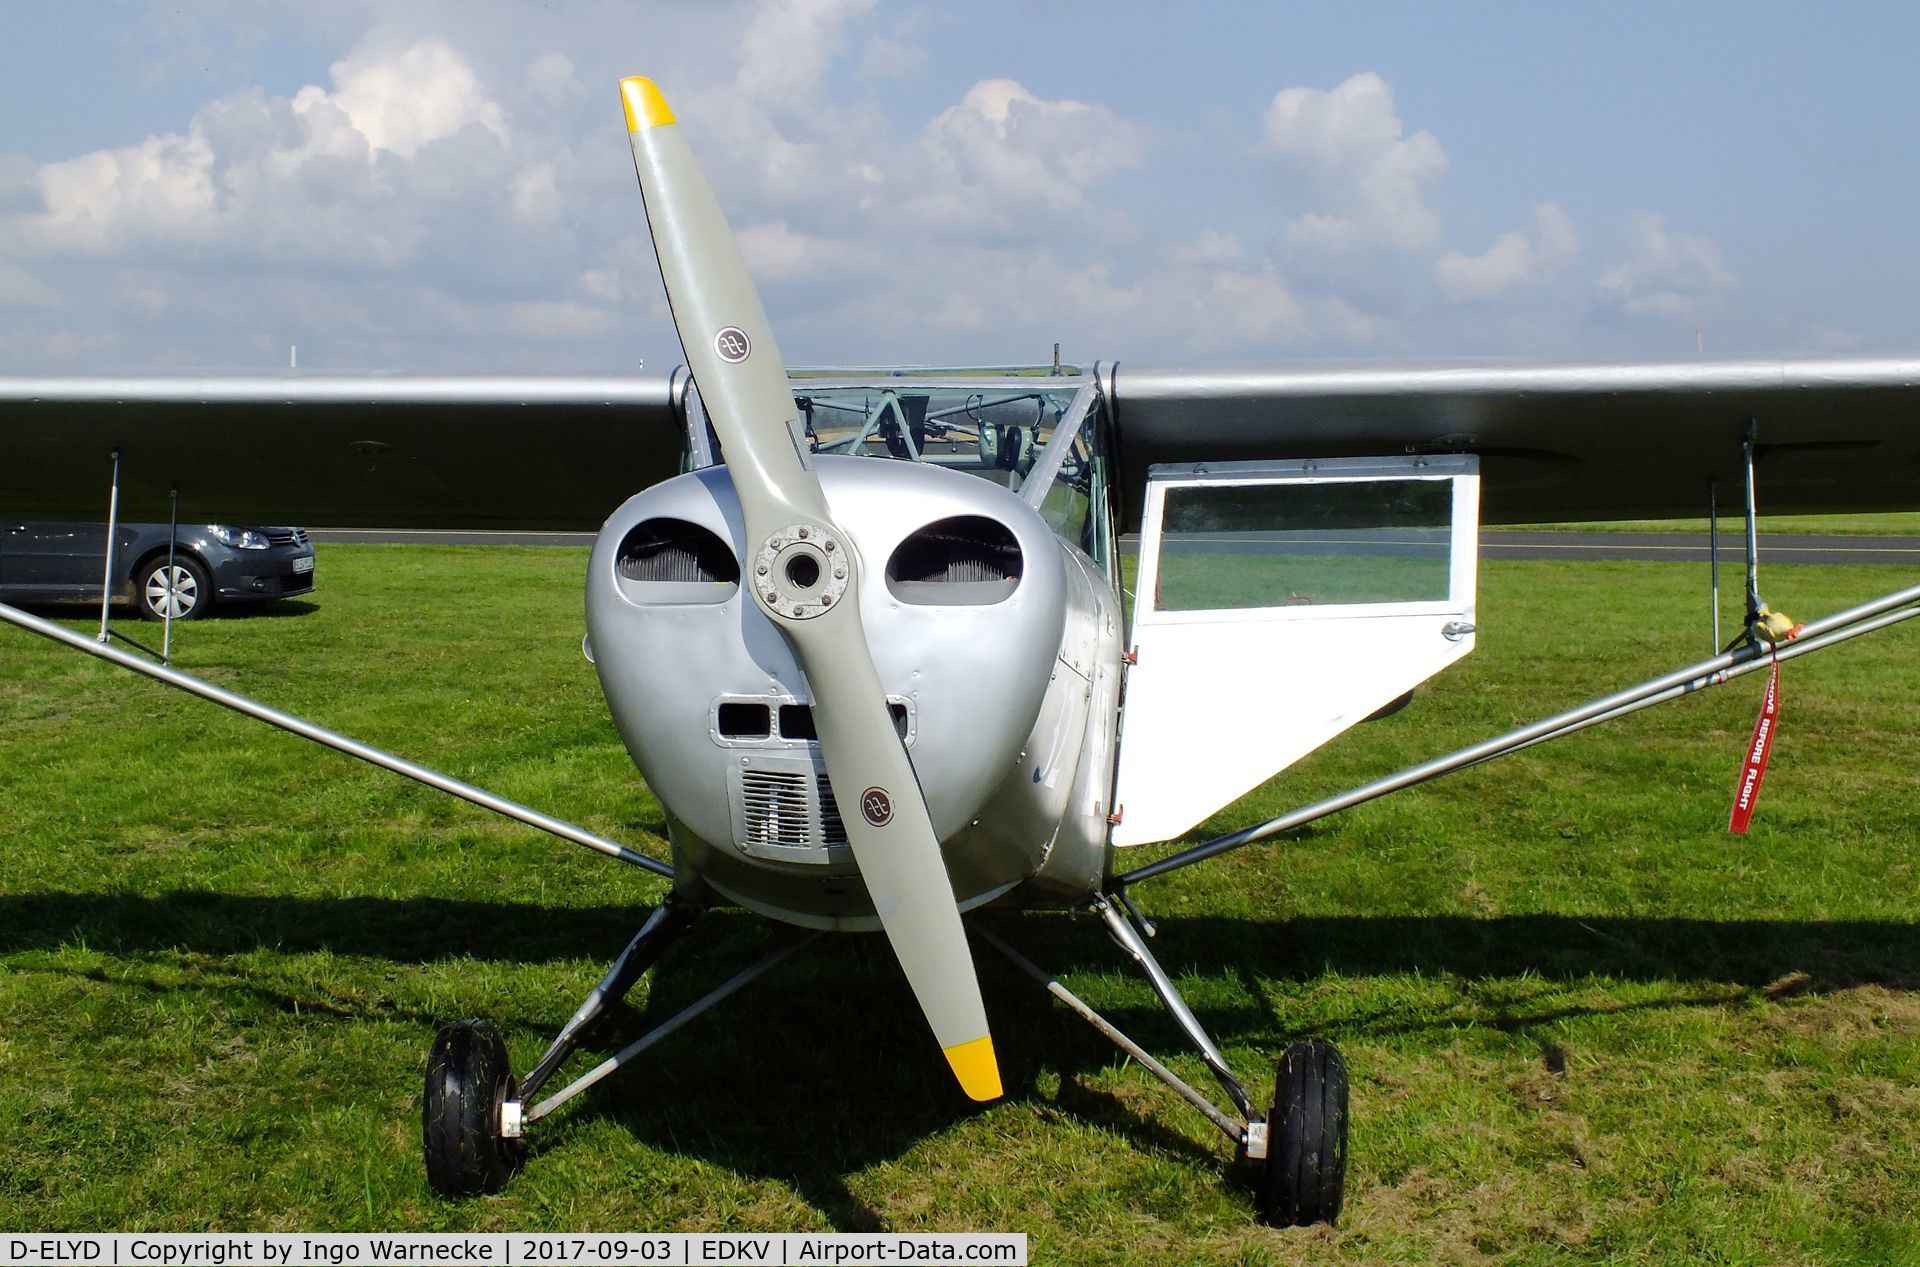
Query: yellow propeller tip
x=974, y=1065
x=646, y=108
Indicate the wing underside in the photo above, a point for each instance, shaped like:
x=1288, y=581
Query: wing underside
x=533, y=453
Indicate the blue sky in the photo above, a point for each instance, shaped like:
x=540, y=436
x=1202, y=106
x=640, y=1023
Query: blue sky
x=445, y=187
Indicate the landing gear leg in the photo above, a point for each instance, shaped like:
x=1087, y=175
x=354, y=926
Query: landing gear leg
x=669, y=920
x=471, y=1119
x=486, y=1114
x=1303, y=1173
x=1300, y=1144
x=1129, y=940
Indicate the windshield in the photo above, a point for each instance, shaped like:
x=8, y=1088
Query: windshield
x=1040, y=437
x=997, y=432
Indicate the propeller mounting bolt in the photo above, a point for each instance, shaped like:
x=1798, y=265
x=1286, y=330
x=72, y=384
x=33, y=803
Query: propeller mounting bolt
x=762, y=569
x=829, y=547
x=804, y=534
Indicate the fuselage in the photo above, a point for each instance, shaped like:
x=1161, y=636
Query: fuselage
x=998, y=644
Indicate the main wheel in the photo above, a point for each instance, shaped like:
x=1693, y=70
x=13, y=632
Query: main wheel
x=180, y=589
x=467, y=1082
x=1304, y=1178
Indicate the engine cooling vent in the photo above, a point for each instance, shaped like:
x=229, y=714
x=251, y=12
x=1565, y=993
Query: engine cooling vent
x=789, y=809
x=776, y=809
x=832, y=831
x=966, y=560
x=675, y=552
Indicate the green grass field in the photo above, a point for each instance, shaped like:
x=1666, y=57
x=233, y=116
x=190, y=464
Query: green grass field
x=1205, y=581
x=1732, y=529
x=1584, y=1023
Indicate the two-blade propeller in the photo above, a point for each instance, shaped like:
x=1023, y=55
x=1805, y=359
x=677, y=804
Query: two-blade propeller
x=805, y=573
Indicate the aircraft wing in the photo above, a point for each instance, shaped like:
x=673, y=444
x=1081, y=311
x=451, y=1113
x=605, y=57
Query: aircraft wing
x=529, y=453
x=1555, y=443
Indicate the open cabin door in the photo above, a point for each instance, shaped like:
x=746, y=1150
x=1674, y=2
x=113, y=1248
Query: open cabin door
x=1277, y=604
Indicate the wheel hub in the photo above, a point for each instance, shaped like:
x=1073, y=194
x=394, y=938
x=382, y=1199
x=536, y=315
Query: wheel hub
x=172, y=592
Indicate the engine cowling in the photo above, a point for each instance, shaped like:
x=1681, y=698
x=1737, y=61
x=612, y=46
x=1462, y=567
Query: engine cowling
x=964, y=598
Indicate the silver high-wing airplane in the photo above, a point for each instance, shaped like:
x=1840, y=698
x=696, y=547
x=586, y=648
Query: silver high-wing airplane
x=865, y=632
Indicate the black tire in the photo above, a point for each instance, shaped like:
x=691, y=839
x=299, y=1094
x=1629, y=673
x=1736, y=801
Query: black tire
x=1304, y=1178
x=467, y=1082
x=191, y=590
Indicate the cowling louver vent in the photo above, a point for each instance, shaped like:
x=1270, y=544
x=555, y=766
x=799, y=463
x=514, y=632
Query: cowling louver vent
x=777, y=810
x=832, y=830
x=789, y=809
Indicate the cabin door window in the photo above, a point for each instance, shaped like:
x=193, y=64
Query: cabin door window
x=1276, y=605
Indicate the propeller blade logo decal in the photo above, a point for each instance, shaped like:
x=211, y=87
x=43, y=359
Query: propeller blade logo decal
x=732, y=344
x=877, y=806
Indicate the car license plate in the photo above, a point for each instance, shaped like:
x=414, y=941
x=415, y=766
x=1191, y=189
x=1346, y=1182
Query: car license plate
x=303, y=565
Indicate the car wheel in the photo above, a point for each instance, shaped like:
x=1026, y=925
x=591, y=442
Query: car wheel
x=180, y=589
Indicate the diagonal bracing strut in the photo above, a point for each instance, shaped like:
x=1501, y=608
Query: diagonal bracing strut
x=338, y=742
x=521, y=1114
x=1238, y=1129
x=1129, y=940
x=1747, y=657
x=669, y=920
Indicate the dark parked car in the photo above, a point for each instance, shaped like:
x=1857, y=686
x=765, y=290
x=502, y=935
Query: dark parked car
x=212, y=563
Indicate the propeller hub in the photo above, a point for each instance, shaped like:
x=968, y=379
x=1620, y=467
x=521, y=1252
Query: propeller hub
x=800, y=572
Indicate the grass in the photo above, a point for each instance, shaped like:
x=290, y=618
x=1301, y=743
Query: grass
x=1734, y=528
x=1584, y=1023
x=1205, y=581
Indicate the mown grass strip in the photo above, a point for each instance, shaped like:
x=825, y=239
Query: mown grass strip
x=1585, y=1024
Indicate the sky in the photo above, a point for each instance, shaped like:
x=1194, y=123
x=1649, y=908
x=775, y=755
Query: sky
x=202, y=185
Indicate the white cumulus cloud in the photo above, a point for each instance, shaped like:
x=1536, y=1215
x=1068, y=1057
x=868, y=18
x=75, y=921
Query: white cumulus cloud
x=1517, y=259
x=164, y=183
x=401, y=101
x=786, y=47
x=1366, y=179
x=775, y=251
x=1004, y=153
x=1666, y=273
x=340, y=174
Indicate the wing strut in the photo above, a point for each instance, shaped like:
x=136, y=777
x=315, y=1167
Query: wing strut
x=332, y=739
x=1743, y=659
x=107, y=631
